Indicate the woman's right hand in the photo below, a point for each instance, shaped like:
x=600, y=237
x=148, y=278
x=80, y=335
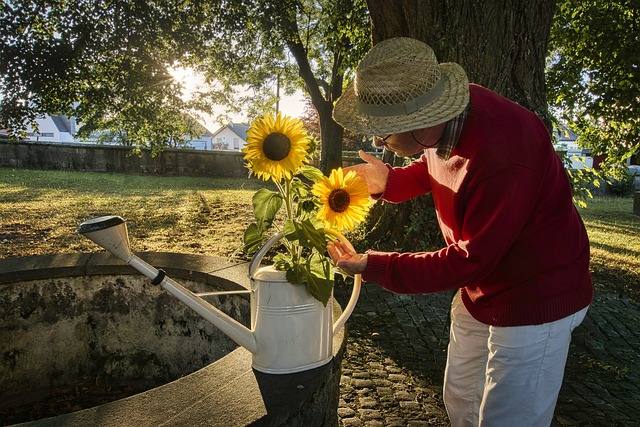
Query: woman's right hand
x=374, y=172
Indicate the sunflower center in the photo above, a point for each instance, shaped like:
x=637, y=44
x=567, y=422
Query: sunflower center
x=276, y=146
x=339, y=200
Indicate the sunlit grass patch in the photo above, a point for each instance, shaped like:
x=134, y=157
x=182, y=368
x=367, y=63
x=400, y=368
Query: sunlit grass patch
x=39, y=211
x=614, y=233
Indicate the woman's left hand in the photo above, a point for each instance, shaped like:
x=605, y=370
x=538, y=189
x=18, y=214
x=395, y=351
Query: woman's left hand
x=346, y=259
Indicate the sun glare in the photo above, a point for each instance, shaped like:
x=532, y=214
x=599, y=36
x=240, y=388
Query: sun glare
x=189, y=80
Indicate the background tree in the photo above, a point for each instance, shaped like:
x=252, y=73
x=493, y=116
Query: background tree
x=502, y=45
x=350, y=141
x=115, y=58
x=112, y=57
x=321, y=41
x=594, y=75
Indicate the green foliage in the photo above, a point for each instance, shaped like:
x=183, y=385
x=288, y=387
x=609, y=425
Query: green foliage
x=104, y=63
x=593, y=78
x=583, y=181
x=107, y=63
x=622, y=184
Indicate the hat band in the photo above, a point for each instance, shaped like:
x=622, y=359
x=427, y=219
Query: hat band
x=407, y=107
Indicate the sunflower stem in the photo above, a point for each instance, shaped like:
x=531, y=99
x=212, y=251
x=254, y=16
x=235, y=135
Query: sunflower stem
x=288, y=198
x=296, y=252
x=287, y=195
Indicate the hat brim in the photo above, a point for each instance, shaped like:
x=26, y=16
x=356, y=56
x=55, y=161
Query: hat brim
x=451, y=102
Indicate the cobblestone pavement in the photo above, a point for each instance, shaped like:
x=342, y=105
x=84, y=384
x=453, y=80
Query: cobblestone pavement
x=396, y=353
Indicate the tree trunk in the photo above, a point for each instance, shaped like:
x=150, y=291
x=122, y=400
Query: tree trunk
x=502, y=45
x=331, y=134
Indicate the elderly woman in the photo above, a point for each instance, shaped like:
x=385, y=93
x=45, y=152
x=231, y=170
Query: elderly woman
x=517, y=251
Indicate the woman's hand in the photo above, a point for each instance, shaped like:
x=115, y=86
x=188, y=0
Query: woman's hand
x=346, y=259
x=374, y=172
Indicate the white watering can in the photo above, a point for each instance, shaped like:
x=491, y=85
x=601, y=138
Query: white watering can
x=290, y=331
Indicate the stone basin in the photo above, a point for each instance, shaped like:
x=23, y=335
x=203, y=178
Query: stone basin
x=77, y=319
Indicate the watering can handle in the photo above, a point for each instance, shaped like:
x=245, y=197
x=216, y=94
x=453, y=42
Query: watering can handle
x=257, y=258
x=355, y=293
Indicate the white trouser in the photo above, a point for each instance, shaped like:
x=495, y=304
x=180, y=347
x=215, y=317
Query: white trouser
x=504, y=376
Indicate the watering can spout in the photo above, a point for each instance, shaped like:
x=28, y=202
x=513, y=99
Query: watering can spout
x=110, y=232
x=229, y=326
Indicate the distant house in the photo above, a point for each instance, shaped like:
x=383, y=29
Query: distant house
x=230, y=137
x=202, y=142
x=62, y=129
x=53, y=129
x=565, y=141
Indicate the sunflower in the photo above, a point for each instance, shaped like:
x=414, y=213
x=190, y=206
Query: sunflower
x=276, y=148
x=344, y=198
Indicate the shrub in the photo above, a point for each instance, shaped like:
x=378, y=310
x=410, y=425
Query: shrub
x=623, y=184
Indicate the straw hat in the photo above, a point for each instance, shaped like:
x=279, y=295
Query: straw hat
x=399, y=86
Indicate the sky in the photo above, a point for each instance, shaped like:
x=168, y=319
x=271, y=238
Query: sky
x=291, y=105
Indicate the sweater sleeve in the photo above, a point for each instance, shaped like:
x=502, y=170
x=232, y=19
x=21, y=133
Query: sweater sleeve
x=404, y=183
x=495, y=213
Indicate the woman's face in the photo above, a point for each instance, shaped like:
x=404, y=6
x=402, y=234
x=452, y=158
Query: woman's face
x=405, y=144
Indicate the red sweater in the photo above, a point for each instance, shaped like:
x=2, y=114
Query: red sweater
x=516, y=245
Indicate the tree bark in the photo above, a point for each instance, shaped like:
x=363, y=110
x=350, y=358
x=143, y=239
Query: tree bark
x=331, y=134
x=502, y=45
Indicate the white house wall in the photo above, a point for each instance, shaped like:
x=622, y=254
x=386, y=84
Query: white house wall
x=227, y=139
x=579, y=160
x=48, y=132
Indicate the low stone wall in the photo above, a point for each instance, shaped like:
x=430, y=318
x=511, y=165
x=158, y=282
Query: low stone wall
x=107, y=158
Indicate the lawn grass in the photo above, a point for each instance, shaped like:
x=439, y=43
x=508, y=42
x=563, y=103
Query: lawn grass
x=39, y=211
x=614, y=234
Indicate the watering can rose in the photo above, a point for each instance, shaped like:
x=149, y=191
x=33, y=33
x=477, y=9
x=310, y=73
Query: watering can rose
x=278, y=150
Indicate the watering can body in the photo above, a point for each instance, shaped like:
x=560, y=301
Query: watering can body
x=290, y=331
x=294, y=330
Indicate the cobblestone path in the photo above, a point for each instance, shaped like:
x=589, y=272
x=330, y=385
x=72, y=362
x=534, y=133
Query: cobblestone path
x=396, y=353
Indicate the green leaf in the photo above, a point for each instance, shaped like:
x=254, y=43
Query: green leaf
x=297, y=275
x=283, y=262
x=316, y=274
x=306, y=206
x=305, y=233
x=320, y=278
x=266, y=205
x=253, y=238
x=299, y=188
x=312, y=173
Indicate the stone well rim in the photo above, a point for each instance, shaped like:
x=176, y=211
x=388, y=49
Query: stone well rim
x=250, y=397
